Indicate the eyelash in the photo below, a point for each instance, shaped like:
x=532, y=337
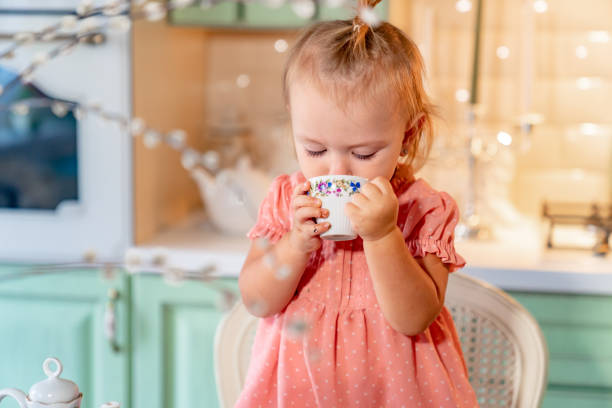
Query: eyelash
x=364, y=156
x=315, y=154
x=359, y=156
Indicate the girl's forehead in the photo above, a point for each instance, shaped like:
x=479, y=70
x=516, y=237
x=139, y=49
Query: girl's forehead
x=312, y=108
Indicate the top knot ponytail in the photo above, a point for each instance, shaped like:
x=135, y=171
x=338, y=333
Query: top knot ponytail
x=363, y=21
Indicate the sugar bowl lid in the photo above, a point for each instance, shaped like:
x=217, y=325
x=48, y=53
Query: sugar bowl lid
x=54, y=390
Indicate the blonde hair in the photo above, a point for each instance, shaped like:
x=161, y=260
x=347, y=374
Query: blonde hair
x=349, y=60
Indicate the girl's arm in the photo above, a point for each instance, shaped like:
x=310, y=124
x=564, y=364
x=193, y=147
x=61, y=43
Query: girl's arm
x=263, y=293
x=410, y=291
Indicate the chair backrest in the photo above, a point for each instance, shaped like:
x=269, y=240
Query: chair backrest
x=504, y=349
x=233, y=341
x=503, y=346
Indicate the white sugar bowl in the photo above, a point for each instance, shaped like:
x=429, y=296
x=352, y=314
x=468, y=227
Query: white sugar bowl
x=54, y=392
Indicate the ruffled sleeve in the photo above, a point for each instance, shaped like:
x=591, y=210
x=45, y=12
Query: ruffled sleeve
x=428, y=219
x=274, y=218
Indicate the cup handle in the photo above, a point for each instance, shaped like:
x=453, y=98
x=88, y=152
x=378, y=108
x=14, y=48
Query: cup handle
x=16, y=394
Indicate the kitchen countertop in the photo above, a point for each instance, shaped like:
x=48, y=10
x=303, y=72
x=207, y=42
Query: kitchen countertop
x=517, y=261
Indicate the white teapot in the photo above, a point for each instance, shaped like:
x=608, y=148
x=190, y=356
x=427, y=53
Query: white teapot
x=232, y=197
x=54, y=392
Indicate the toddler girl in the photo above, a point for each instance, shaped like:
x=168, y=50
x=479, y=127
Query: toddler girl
x=357, y=323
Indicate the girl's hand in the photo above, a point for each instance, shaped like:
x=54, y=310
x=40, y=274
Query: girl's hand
x=304, y=236
x=373, y=211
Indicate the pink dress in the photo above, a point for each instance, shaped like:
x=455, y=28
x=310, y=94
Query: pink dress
x=331, y=346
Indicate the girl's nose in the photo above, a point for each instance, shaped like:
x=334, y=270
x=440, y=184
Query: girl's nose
x=339, y=165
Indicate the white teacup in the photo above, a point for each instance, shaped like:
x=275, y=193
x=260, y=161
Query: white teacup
x=335, y=191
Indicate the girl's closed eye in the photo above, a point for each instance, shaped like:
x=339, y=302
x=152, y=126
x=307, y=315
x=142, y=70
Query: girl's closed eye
x=364, y=156
x=315, y=153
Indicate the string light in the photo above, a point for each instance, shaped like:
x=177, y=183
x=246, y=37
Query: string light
x=502, y=52
x=155, y=11
x=462, y=95
x=132, y=260
x=90, y=256
x=151, y=138
x=120, y=23
x=176, y=139
x=297, y=327
x=283, y=272
x=540, y=6
x=334, y=3
x=69, y=22
x=504, y=138
x=304, y=8
x=84, y=8
x=582, y=52
x=601, y=37
x=262, y=243
x=463, y=6
x=189, y=158
x=137, y=126
x=281, y=45
x=243, y=81
x=211, y=160
x=174, y=277
x=59, y=109
x=269, y=260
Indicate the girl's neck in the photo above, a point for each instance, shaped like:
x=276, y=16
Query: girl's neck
x=402, y=177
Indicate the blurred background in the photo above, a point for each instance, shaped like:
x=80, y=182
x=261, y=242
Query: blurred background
x=138, y=138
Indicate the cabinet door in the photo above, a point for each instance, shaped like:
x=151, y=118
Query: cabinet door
x=174, y=330
x=578, y=331
x=61, y=314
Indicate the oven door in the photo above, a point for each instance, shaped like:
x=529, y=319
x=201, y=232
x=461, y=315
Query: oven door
x=65, y=184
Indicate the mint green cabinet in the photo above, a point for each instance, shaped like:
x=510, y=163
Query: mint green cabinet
x=258, y=15
x=162, y=352
x=225, y=13
x=578, y=331
x=255, y=14
x=174, y=329
x=62, y=314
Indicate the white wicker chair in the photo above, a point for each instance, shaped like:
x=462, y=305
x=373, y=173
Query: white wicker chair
x=504, y=349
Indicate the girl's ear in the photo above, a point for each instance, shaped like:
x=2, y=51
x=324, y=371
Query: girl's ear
x=413, y=127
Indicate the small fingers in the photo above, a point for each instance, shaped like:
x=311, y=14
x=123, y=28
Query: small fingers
x=301, y=188
x=304, y=214
x=359, y=200
x=384, y=186
x=305, y=201
x=351, y=210
x=318, y=229
x=371, y=190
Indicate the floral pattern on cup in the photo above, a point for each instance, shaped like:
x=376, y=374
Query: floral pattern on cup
x=334, y=187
